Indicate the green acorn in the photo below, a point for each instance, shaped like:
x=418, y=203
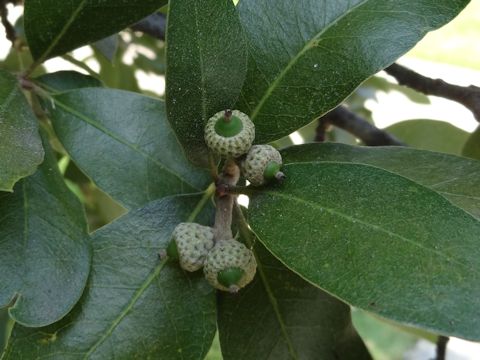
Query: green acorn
x=229, y=133
x=230, y=266
x=191, y=243
x=262, y=164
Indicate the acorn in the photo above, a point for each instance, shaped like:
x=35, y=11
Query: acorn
x=229, y=133
x=230, y=266
x=190, y=243
x=262, y=164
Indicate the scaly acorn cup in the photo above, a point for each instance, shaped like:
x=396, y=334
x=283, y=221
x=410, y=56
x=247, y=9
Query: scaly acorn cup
x=262, y=164
x=230, y=266
x=191, y=243
x=229, y=133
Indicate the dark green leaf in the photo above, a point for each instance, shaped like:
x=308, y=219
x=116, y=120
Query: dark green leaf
x=56, y=27
x=107, y=46
x=61, y=81
x=135, y=306
x=430, y=135
x=207, y=63
x=472, y=146
x=281, y=316
x=378, y=241
x=20, y=145
x=124, y=143
x=456, y=178
x=44, y=247
x=306, y=56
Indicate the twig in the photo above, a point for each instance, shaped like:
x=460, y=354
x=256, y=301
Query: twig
x=81, y=65
x=153, y=25
x=468, y=96
x=442, y=347
x=9, y=29
x=224, y=200
x=358, y=126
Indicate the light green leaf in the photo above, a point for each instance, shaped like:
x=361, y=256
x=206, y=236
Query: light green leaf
x=430, y=135
x=454, y=177
x=56, y=27
x=281, y=316
x=20, y=145
x=207, y=63
x=123, y=142
x=307, y=56
x=377, y=240
x=135, y=305
x=44, y=247
x=472, y=146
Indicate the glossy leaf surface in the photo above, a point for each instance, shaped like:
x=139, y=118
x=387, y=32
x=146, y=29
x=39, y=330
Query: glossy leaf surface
x=207, y=63
x=454, y=177
x=124, y=143
x=56, y=27
x=307, y=56
x=20, y=144
x=44, y=247
x=377, y=240
x=135, y=305
x=281, y=316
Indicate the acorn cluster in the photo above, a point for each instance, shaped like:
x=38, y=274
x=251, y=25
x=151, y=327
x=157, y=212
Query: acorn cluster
x=228, y=264
x=230, y=134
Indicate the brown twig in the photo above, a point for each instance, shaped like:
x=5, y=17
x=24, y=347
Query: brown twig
x=225, y=200
x=9, y=29
x=442, y=347
x=468, y=96
x=358, y=126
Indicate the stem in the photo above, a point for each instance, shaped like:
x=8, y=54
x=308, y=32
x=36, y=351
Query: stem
x=81, y=65
x=223, y=215
x=208, y=193
x=9, y=29
x=442, y=347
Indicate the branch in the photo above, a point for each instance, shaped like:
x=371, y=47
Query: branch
x=358, y=126
x=467, y=96
x=442, y=347
x=9, y=29
x=225, y=200
x=153, y=25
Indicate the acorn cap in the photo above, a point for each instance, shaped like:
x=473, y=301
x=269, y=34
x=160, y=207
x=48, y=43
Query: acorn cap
x=229, y=133
x=262, y=164
x=193, y=242
x=230, y=265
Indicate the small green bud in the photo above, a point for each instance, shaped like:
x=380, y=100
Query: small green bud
x=230, y=276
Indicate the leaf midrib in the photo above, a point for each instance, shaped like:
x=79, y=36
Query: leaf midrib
x=65, y=28
x=292, y=62
x=122, y=141
x=371, y=226
x=153, y=275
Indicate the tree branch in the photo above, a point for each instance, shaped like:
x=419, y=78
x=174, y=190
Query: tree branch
x=153, y=25
x=9, y=29
x=467, y=96
x=442, y=347
x=222, y=230
x=358, y=126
